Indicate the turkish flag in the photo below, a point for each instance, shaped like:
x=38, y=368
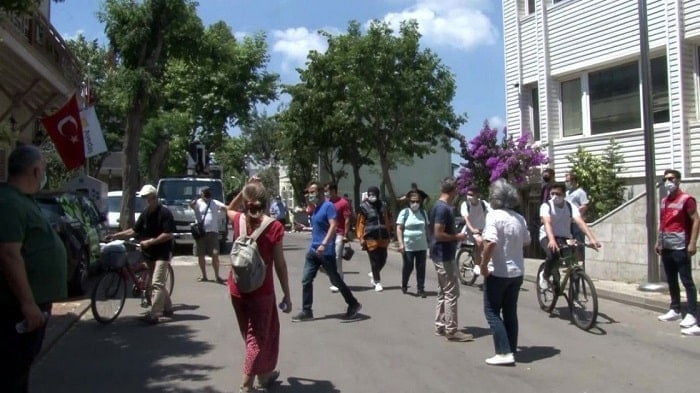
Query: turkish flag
x=64, y=128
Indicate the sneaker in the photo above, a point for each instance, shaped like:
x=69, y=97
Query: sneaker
x=371, y=279
x=476, y=270
x=353, y=310
x=422, y=293
x=439, y=331
x=378, y=287
x=459, y=337
x=334, y=289
x=544, y=284
x=303, y=316
x=404, y=290
x=501, y=360
x=671, y=315
x=688, y=321
x=149, y=319
x=691, y=331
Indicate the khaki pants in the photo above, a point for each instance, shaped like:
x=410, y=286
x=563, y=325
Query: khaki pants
x=161, y=296
x=448, y=293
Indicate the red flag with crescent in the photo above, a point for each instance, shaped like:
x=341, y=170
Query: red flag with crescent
x=66, y=132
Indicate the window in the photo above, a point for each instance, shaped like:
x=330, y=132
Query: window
x=614, y=99
x=572, y=118
x=535, y=113
x=659, y=90
x=530, y=7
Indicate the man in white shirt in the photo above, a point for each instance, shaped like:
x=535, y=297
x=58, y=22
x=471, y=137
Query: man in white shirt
x=474, y=211
x=207, y=210
x=557, y=216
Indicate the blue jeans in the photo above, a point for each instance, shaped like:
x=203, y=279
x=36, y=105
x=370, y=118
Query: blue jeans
x=501, y=296
x=677, y=263
x=409, y=258
x=311, y=266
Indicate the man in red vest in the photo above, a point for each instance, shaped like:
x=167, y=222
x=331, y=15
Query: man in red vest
x=678, y=233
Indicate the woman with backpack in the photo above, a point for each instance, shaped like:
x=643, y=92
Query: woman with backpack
x=412, y=234
x=373, y=231
x=256, y=309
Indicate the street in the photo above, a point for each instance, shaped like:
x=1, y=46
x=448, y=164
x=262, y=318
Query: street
x=391, y=348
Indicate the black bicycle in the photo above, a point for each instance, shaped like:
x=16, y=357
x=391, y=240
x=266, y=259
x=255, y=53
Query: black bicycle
x=465, y=263
x=576, y=286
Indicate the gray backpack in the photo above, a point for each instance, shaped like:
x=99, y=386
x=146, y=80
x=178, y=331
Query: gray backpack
x=246, y=263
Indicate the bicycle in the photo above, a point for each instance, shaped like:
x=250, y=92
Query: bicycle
x=124, y=264
x=576, y=286
x=465, y=263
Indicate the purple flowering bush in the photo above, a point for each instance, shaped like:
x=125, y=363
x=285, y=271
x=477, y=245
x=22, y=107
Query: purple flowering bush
x=487, y=159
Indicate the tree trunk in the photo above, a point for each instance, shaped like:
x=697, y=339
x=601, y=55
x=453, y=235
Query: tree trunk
x=157, y=162
x=356, y=184
x=384, y=163
x=130, y=179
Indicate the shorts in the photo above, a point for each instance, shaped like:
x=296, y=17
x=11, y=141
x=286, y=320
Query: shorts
x=208, y=245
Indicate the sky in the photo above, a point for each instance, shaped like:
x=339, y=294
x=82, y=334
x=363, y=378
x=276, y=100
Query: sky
x=466, y=34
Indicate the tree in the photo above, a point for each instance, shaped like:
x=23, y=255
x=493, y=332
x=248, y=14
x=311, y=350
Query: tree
x=598, y=176
x=375, y=94
x=22, y=6
x=486, y=159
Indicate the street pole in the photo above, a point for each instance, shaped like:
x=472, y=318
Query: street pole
x=652, y=284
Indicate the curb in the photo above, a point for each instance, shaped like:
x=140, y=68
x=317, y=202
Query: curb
x=63, y=316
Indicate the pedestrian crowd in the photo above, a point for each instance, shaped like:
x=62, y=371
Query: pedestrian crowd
x=33, y=278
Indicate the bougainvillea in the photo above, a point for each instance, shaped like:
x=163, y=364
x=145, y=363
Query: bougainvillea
x=487, y=159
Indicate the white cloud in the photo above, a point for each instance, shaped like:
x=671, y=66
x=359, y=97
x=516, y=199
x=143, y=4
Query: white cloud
x=461, y=24
x=496, y=122
x=294, y=45
x=73, y=36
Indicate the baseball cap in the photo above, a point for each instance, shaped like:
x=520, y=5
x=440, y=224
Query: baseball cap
x=147, y=190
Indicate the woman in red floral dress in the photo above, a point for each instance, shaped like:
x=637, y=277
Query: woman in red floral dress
x=256, y=311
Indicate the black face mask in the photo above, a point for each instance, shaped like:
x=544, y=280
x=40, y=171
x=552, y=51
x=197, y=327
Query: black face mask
x=545, y=178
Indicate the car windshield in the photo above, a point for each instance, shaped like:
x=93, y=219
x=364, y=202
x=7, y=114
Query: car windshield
x=114, y=204
x=180, y=191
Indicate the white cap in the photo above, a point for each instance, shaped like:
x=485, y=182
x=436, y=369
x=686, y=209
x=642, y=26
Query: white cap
x=147, y=190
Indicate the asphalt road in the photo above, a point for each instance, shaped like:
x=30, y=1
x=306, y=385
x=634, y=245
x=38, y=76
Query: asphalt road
x=391, y=348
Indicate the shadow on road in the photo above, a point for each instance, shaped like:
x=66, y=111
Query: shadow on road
x=535, y=353
x=565, y=314
x=304, y=385
x=477, y=331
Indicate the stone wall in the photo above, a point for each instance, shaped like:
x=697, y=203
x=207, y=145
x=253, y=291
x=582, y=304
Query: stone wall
x=623, y=234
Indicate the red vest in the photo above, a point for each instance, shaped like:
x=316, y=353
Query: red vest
x=675, y=223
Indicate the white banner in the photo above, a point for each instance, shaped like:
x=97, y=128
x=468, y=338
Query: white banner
x=93, y=137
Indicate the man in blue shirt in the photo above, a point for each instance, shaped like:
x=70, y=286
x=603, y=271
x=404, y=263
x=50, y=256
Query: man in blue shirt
x=322, y=253
x=443, y=247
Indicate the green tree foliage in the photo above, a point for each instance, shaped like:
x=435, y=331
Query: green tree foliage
x=375, y=94
x=599, y=177
x=22, y=6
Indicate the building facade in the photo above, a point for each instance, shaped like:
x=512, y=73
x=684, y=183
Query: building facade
x=572, y=72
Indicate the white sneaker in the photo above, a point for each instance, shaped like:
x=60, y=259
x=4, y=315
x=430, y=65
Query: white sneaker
x=544, y=284
x=691, y=331
x=476, y=270
x=371, y=279
x=671, y=315
x=500, y=360
x=378, y=287
x=334, y=289
x=688, y=321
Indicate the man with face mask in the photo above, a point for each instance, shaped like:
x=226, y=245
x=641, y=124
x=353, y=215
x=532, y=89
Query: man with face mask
x=474, y=211
x=678, y=234
x=557, y=216
x=32, y=267
x=322, y=253
x=373, y=231
x=154, y=230
x=207, y=210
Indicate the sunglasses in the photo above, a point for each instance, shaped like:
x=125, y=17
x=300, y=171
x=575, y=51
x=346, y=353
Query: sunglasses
x=253, y=207
x=670, y=178
x=556, y=193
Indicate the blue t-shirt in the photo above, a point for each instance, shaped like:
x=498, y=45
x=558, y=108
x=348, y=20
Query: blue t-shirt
x=442, y=214
x=319, y=227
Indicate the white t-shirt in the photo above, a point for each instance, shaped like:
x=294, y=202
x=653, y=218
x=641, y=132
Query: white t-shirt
x=508, y=230
x=211, y=221
x=578, y=197
x=476, y=213
x=561, y=219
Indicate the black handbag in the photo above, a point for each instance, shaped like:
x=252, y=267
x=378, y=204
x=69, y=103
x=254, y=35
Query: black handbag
x=197, y=228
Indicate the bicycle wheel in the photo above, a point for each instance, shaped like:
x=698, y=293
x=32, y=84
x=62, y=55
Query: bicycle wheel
x=108, y=297
x=547, y=297
x=583, y=300
x=465, y=263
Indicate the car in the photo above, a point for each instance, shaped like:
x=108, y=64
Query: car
x=114, y=205
x=79, y=224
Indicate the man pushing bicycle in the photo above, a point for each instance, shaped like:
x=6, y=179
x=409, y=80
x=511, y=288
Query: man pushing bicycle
x=557, y=215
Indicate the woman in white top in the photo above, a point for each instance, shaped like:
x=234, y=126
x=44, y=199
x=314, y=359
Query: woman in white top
x=411, y=231
x=505, y=235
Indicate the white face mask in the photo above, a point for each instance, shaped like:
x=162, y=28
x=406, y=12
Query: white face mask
x=557, y=199
x=327, y=195
x=44, y=179
x=472, y=199
x=670, y=186
x=372, y=198
x=569, y=186
x=415, y=206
